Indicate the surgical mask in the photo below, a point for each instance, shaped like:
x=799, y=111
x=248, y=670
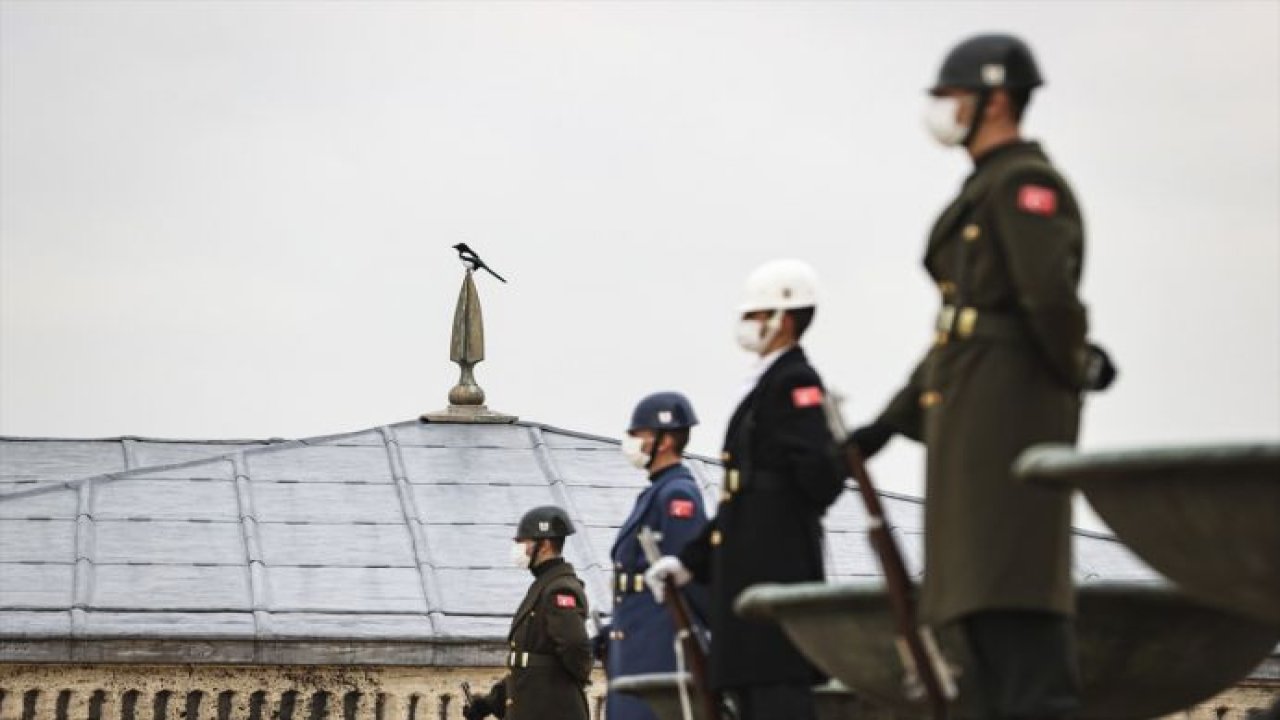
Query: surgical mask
x=519, y=556
x=940, y=119
x=754, y=335
x=633, y=449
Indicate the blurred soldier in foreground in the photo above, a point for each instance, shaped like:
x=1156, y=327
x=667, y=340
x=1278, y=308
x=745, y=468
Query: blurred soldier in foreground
x=1006, y=371
x=780, y=477
x=642, y=635
x=550, y=654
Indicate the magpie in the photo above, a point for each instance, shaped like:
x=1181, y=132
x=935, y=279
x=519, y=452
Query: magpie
x=472, y=261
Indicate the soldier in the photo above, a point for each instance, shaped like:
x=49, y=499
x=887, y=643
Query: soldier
x=1006, y=370
x=550, y=657
x=642, y=635
x=780, y=477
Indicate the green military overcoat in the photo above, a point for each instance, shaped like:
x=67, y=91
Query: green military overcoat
x=550, y=654
x=1004, y=373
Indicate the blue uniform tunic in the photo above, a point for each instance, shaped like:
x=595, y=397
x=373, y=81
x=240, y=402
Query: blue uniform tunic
x=642, y=634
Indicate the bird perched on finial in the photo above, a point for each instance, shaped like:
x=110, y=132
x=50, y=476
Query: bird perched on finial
x=472, y=261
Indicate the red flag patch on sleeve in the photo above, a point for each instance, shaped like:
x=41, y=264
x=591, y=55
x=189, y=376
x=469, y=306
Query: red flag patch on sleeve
x=803, y=397
x=1038, y=200
x=564, y=600
x=680, y=509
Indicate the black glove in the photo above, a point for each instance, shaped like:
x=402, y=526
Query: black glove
x=1099, y=371
x=600, y=643
x=478, y=709
x=869, y=439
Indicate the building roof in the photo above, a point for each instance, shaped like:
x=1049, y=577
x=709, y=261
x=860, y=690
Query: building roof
x=387, y=545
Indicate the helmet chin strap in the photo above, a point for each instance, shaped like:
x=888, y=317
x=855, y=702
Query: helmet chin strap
x=771, y=328
x=979, y=109
x=653, y=451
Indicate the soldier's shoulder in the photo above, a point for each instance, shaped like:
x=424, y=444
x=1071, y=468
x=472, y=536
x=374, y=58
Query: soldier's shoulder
x=681, y=482
x=679, y=498
x=1031, y=167
x=797, y=374
x=565, y=592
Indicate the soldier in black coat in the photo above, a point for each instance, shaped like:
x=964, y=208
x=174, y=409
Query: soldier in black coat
x=550, y=653
x=780, y=477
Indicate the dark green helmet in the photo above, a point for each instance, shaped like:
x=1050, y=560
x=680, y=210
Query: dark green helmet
x=546, y=521
x=988, y=61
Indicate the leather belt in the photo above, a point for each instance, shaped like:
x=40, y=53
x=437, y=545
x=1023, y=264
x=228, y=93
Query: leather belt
x=967, y=322
x=758, y=480
x=627, y=583
x=517, y=659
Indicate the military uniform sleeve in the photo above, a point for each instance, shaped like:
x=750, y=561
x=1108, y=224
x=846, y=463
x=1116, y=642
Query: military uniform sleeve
x=1042, y=241
x=565, y=609
x=903, y=412
x=681, y=517
x=804, y=436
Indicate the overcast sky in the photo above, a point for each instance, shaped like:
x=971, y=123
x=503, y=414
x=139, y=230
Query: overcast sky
x=233, y=219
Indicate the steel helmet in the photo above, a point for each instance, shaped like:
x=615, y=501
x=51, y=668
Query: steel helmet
x=663, y=411
x=780, y=285
x=985, y=62
x=543, y=522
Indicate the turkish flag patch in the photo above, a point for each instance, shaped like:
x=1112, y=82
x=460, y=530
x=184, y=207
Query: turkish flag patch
x=680, y=509
x=566, y=601
x=1038, y=200
x=804, y=397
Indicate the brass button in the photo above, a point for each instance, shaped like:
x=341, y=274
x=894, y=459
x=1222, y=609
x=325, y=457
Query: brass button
x=732, y=480
x=971, y=232
x=966, y=321
x=725, y=456
x=715, y=538
x=930, y=398
x=947, y=288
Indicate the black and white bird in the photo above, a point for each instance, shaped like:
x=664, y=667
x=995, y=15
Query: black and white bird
x=472, y=261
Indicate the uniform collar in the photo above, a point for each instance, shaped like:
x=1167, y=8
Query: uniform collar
x=546, y=567
x=759, y=369
x=1012, y=147
x=661, y=474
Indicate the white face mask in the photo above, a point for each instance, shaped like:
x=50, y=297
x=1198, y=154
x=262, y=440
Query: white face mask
x=520, y=556
x=633, y=449
x=754, y=335
x=940, y=119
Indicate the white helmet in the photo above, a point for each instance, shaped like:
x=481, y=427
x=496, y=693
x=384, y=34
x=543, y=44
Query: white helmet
x=780, y=285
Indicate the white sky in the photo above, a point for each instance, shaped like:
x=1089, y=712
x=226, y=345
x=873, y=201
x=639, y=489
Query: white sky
x=233, y=219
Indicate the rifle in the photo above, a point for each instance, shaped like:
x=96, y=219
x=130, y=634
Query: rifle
x=691, y=640
x=925, y=672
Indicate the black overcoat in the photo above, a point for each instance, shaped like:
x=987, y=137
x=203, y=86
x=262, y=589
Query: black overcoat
x=781, y=474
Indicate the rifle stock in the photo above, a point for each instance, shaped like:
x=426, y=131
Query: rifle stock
x=925, y=670
x=692, y=642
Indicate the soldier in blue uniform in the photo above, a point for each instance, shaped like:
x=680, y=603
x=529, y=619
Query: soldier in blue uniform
x=641, y=637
